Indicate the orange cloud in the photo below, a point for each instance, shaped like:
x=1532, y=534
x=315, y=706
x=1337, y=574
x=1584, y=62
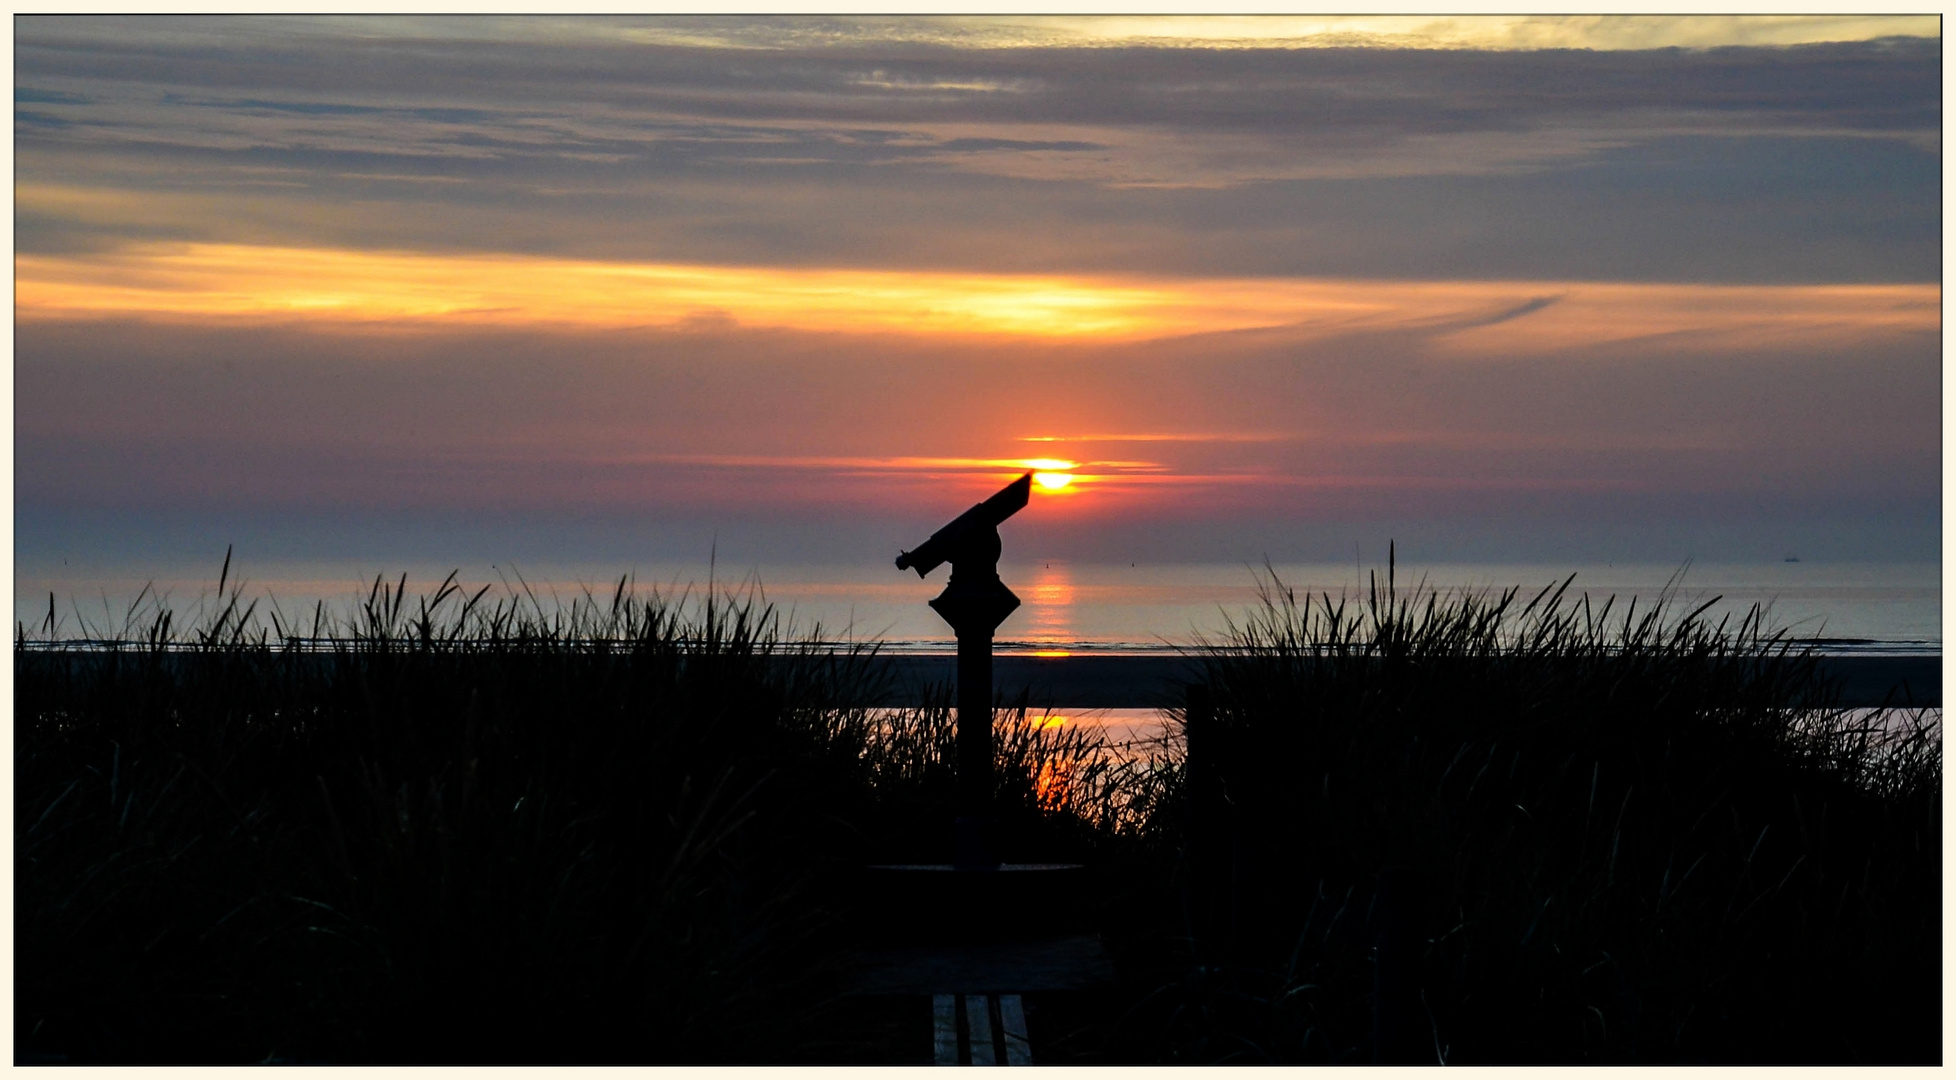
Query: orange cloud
x=231, y=282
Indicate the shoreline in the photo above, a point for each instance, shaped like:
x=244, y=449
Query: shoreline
x=1078, y=677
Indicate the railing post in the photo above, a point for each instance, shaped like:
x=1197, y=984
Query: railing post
x=1210, y=888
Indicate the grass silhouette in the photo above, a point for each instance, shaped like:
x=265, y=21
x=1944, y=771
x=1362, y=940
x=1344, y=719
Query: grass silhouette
x=1635, y=836
x=467, y=827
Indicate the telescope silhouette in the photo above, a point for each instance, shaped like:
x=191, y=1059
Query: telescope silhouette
x=974, y=603
x=973, y=899
x=972, y=533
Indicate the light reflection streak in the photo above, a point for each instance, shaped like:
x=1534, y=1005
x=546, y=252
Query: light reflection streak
x=1049, y=602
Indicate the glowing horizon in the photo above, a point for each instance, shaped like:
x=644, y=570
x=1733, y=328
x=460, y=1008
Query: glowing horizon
x=222, y=283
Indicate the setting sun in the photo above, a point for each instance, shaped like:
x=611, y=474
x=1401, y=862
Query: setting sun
x=1051, y=474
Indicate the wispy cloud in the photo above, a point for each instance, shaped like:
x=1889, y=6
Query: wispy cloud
x=1170, y=437
x=1150, y=105
x=881, y=464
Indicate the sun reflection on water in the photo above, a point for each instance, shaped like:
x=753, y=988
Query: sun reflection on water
x=1049, y=601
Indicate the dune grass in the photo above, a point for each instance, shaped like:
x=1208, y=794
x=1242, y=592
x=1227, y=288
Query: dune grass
x=1634, y=836
x=469, y=827
x=464, y=829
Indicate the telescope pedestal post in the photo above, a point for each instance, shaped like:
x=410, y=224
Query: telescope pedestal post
x=974, y=746
x=974, y=608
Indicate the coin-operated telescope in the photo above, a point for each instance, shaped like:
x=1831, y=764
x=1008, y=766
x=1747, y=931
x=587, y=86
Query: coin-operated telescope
x=971, y=536
x=975, y=602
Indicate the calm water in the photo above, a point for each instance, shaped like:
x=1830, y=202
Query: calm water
x=1066, y=606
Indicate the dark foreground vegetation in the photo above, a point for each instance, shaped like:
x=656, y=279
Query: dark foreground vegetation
x=629, y=830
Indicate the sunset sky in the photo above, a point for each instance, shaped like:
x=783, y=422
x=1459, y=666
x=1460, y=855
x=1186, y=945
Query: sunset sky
x=804, y=288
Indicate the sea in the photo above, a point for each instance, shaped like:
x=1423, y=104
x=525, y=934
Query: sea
x=1880, y=608
x=1890, y=607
